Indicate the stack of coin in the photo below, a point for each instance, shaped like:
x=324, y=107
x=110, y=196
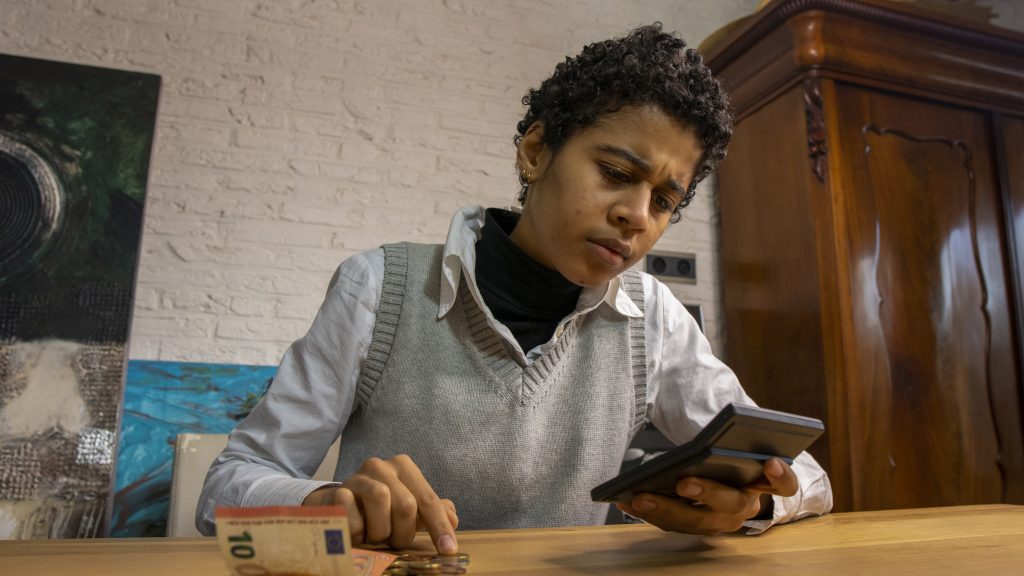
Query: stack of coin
x=453, y=564
x=426, y=565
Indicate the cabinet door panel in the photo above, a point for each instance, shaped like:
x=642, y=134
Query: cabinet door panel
x=930, y=341
x=769, y=265
x=1010, y=140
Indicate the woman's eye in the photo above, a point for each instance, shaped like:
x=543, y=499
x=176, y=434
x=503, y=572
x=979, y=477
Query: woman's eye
x=615, y=175
x=663, y=204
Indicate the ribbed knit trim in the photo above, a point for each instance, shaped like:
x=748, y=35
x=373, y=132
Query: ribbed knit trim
x=634, y=286
x=396, y=266
x=516, y=383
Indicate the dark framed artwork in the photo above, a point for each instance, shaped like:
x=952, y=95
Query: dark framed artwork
x=75, y=144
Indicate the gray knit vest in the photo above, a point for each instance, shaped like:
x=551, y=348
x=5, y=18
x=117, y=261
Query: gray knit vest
x=512, y=446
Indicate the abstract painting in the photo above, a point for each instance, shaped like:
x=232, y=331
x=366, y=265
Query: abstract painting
x=162, y=400
x=75, y=145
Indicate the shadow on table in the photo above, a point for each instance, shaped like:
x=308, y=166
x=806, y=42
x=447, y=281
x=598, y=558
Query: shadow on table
x=667, y=550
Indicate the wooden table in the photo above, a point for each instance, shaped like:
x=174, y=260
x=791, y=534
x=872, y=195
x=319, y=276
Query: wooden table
x=986, y=540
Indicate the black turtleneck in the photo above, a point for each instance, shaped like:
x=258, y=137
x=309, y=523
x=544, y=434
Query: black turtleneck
x=522, y=294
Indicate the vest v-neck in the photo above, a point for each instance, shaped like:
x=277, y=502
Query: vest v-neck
x=519, y=383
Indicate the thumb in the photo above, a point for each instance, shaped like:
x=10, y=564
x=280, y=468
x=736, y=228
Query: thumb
x=781, y=477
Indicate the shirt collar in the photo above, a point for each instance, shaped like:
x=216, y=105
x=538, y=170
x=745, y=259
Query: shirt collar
x=459, y=257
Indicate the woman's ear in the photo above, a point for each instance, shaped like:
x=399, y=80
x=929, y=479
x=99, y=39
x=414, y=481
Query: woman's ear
x=532, y=154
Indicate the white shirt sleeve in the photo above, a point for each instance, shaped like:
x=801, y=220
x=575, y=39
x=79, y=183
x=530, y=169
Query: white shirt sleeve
x=688, y=385
x=271, y=455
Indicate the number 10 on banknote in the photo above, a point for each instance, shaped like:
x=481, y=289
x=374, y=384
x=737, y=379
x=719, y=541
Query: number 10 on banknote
x=278, y=540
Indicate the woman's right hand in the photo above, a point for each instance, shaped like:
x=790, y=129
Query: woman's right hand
x=388, y=501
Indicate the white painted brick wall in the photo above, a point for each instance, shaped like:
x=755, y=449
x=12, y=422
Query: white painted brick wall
x=293, y=134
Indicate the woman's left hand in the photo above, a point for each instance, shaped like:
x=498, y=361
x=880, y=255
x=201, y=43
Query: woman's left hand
x=710, y=507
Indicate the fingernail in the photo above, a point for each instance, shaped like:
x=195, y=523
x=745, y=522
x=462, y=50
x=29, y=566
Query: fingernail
x=645, y=505
x=447, y=544
x=692, y=489
x=773, y=469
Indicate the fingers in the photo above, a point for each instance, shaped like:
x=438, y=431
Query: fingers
x=453, y=516
x=334, y=495
x=677, y=515
x=403, y=514
x=711, y=507
x=432, y=511
x=374, y=497
x=719, y=497
x=388, y=500
x=342, y=496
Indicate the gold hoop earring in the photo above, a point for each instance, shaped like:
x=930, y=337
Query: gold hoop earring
x=526, y=176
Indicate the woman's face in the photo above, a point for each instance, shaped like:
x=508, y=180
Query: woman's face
x=598, y=206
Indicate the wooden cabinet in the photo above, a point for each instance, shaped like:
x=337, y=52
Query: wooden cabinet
x=872, y=243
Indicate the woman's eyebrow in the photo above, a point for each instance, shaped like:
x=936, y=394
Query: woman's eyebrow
x=640, y=164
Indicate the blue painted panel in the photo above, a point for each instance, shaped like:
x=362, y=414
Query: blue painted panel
x=162, y=400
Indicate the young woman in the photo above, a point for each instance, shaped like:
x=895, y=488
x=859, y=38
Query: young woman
x=494, y=380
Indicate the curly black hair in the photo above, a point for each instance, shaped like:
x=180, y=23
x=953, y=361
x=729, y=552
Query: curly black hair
x=645, y=67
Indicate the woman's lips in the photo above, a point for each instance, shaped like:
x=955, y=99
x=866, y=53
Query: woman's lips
x=610, y=250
